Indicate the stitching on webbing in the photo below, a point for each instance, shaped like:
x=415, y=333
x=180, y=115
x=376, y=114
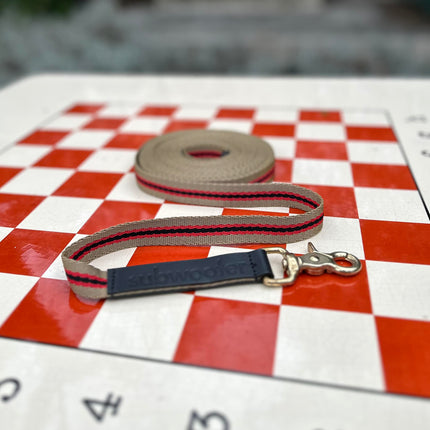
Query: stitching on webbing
x=252, y=265
x=181, y=287
x=113, y=281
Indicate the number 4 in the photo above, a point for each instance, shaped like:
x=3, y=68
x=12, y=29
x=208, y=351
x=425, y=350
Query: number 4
x=99, y=408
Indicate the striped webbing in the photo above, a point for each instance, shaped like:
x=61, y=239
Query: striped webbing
x=200, y=167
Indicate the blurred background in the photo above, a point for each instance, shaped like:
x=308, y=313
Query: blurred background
x=246, y=37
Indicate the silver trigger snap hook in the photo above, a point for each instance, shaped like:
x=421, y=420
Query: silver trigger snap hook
x=313, y=263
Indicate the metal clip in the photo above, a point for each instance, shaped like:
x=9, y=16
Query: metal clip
x=314, y=263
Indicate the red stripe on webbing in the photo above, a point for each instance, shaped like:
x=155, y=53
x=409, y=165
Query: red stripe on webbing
x=215, y=195
x=265, y=177
x=88, y=283
x=158, y=232
x=84, y=275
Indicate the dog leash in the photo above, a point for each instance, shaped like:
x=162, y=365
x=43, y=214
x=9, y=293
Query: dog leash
x=210, y=168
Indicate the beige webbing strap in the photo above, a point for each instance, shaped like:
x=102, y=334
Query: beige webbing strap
x=200, y=167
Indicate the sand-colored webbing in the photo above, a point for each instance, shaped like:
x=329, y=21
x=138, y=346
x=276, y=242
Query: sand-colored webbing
x=200, y=167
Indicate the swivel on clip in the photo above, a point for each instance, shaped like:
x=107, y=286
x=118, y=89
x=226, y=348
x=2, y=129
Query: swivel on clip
x=314, y=263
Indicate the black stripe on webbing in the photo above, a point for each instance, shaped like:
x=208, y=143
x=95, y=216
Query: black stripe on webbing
x=85, y=280
x=194, y=230
x=227, y=196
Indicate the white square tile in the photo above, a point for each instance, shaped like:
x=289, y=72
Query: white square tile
x=200, y=113
x=375, y=153
x=146, y=124
x=109, y=160
x=13, y=288
x=240, y=125
x=276, y=115
x=390, y=205
x=320, y=131
x=170, y=210
x=86, y=139
x=322, y=172
x=39, y=181
x=126, y=190
x=119, y=110
x=399, y=290
x=143, y=326
x=62, y=214
x=56, y=269
x=329, y=347
x=114, y=260
x=23, y=155
x=283, y=148
x=68, y=122
x=366, y=118
x=370, y=142
x=4, y=231
x=251, y=292
x=337, y=234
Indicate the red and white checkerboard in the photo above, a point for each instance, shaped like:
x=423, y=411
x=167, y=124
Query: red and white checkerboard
x=74, y=176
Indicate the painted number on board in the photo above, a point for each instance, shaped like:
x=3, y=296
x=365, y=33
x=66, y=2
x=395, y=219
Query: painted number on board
x=416, y=118
x=9, y=388
x=99, y=408
x=210, y=421
x=424, y=134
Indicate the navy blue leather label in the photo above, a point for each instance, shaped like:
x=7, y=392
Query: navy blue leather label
x=190, y=274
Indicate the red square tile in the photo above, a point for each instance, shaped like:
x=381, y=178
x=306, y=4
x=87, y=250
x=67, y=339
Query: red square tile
x=105, y=123
x=396, y=241
x=85, y=108
x=7, y=173
x=112, y=213
x=161, y=254
x=330, y=291
x=283, y=171
x=31, y=252
x=338, y=201
x=51, y=313
x=69, y=158
x=295, y=211
x=326, y=150
x=229, y=334
x=14, y=208
x=405, y=352
x=370, y=133
x=89, y=184
x=324, y=116
x=266, y=129
x=235, y=113
x=45, y=137
x=382, y=176
x=185, y=125
x=130, y=141
x=158, y=110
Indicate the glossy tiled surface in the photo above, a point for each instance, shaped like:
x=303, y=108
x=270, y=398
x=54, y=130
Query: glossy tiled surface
x=73, y=176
